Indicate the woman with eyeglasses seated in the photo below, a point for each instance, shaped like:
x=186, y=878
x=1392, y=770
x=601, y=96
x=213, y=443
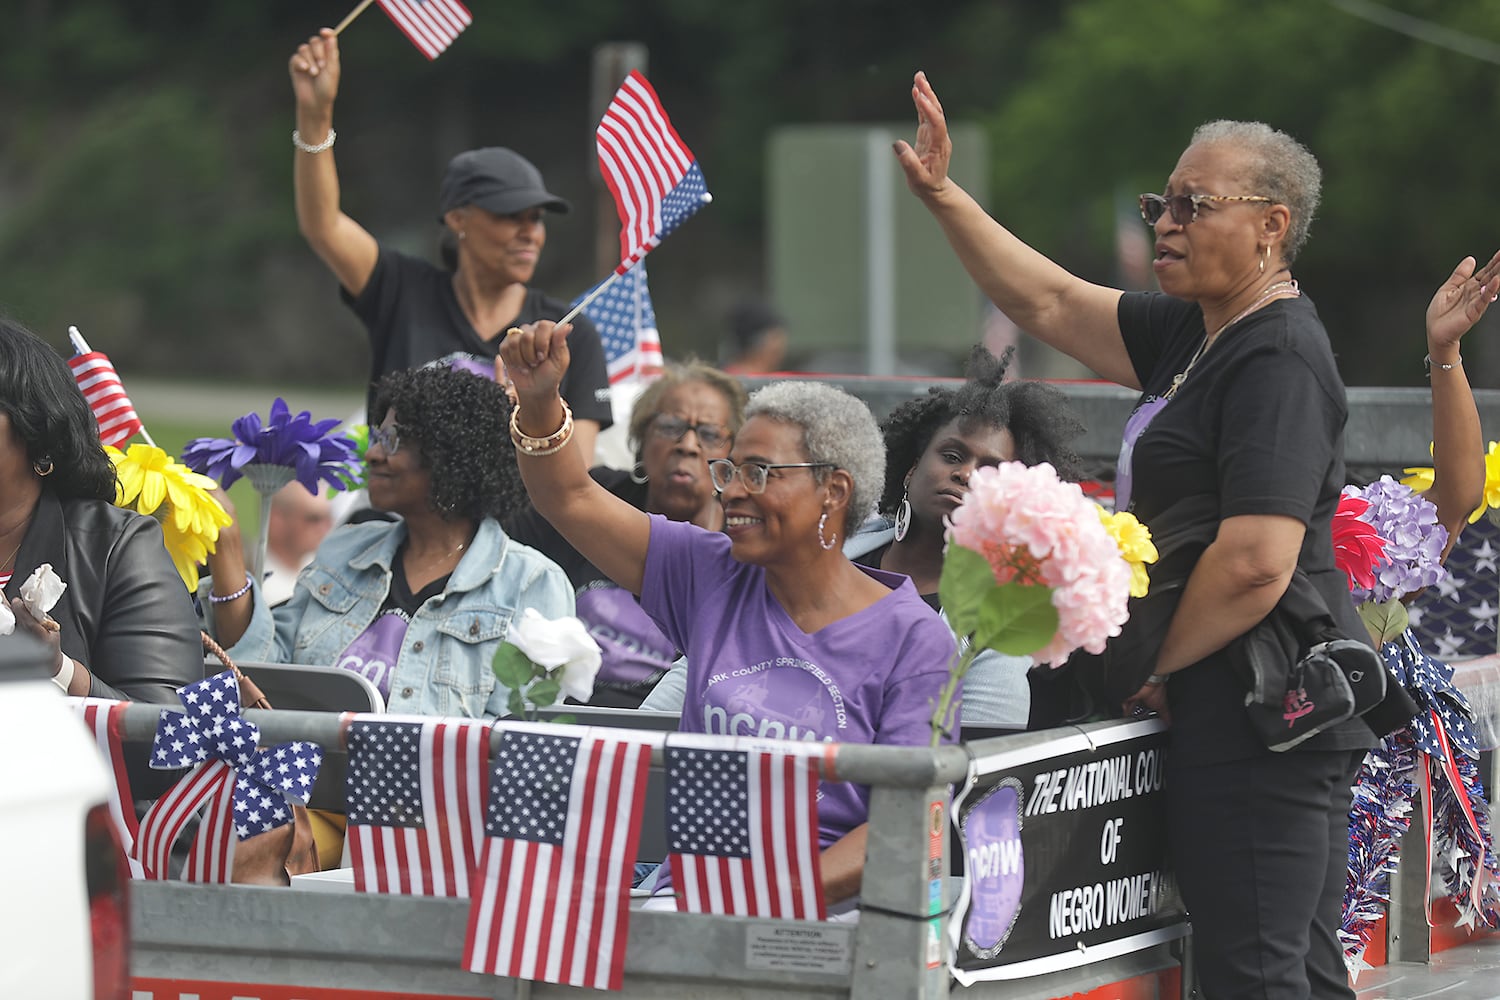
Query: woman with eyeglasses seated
x=416, y=606
x=1240, y=402
x=684, y=420
x=785, y=637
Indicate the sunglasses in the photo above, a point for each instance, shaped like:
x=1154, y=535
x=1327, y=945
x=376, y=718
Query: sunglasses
x=753, y=474
x=670, y=428
x=1184, y=207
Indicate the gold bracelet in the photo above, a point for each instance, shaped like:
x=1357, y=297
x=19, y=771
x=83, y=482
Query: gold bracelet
x=542, y=446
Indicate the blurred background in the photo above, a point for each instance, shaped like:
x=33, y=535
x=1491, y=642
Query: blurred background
x=145, y=179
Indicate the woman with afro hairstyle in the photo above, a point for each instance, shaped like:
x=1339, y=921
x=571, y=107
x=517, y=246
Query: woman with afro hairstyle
x=418, y=606
x=933, y=444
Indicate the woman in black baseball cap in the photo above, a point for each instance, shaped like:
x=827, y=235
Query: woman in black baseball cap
x=493, y=202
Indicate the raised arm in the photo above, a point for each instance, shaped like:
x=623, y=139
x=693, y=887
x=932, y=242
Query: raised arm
x=1457, y=440
x=344, y=245
x=1048, y=302
x=609, y=532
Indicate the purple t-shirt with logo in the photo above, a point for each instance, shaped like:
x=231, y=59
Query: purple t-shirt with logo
x=869, y=678
x=373, y=652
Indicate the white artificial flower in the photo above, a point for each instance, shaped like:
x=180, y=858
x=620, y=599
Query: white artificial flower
x=7, y=617
x=559, y=643
x=41, y=591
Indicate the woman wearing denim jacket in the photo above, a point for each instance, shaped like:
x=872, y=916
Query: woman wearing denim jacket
x=417, y=606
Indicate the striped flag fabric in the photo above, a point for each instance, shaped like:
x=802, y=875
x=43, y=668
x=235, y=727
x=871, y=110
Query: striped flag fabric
x=431, y=25
x=562, y=824
x=213, y=848
x=742, y=832
x=103, y=717
x=650, y=171
x=100, y=384
x=627, y=326
x=415, y=803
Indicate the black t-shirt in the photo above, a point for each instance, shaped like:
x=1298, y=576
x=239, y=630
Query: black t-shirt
x=412, y=315
x=872, y=559
x=1260, y=423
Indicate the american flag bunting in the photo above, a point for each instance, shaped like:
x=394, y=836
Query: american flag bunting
x=103, y=717
x=431, y=25
x=742, y=832
x=554, y=880
x=650, y=171
x=416, y=803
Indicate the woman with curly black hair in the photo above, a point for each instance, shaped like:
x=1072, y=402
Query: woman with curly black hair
x=933, y=444
x=124, y=627
x=417, y=606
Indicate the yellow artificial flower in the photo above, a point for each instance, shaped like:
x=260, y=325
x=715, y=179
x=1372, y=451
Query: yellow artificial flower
x=1136, y=547
x=152, y=483
x=1491, y=482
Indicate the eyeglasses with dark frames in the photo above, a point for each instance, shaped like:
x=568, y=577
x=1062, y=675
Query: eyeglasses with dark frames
x=672, y=428
x=753, y=474
x=1184, y=207
x=388, y=438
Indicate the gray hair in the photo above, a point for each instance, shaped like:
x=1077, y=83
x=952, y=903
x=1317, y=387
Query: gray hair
x=836, y=428
x=1278, y=166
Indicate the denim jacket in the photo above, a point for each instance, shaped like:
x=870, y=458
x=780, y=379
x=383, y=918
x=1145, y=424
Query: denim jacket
x=444, y=664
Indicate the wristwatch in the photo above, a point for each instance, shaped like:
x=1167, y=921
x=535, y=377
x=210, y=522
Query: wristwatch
x=1156, y=679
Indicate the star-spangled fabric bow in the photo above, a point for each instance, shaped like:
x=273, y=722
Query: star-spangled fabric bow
x=253, y=786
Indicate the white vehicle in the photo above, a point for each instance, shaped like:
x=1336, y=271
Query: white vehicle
x=64, y=919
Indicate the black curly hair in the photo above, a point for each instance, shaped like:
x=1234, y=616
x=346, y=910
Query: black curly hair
x=51, y=417
x=1038, y=416
x=460, y=423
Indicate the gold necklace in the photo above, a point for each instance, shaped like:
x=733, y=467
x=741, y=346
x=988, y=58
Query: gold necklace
x=1271, y=291
x=11, y=558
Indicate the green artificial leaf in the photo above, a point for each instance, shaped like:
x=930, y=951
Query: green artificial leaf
x=1016, y=619
x=512, y=667
x=564, y=720
x=1386, y=620
x=544, y=692
x=516, y=704
x=966, y=579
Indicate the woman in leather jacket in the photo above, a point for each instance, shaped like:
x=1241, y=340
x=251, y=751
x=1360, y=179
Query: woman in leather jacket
x=124, y=627
x=417, y=606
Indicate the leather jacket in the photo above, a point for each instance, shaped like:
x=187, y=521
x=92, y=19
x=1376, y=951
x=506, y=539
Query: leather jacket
x=126, y=615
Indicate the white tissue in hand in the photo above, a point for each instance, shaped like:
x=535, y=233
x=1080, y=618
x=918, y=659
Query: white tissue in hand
x=41, y=591
x=7, y=617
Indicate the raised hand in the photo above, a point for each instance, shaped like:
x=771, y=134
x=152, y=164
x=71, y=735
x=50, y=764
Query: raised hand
x=533, y=359
x=926, y=164
x=315, y=72
x=1460, y=302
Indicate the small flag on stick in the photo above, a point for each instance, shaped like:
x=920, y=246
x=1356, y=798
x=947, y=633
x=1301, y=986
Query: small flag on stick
x=627, y=327
x=432, y=25
x=101, y=387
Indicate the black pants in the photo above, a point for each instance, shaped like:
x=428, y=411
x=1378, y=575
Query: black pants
x=1261, y=849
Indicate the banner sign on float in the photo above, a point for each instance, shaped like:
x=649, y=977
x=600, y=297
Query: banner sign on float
x=1064, y=848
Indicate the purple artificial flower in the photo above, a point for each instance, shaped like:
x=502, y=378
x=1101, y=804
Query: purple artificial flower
x=1414, y=540
x=295, y=443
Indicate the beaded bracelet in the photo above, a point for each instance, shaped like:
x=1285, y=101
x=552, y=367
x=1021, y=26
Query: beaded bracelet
x=327, y=143
x=1430, y=364
x=216, y=599
x=541, y=447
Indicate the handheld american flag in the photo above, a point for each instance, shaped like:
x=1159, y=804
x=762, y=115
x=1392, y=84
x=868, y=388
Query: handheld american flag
x=742, y=832
x=416, y=804
x=564, y=818
x=101, y=387
x=626, y=323
x=649, y=169
x=432, y=25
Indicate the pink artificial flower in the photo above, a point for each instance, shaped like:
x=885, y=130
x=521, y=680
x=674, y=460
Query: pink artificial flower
x=1034, y=528
x=1357, y=547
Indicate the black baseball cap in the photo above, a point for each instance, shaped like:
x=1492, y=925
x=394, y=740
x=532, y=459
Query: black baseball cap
x=496, y=179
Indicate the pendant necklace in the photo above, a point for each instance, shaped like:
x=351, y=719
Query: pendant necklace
x=1288, y=288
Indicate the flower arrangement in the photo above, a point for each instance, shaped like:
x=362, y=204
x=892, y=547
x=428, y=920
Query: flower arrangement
x=1389, y=543
x=1034, y=567
x=152, y=483
x=543, y=660
x=273, y=452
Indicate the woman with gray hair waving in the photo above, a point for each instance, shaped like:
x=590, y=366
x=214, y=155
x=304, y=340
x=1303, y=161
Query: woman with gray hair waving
x=784, y=636
x=1241, y=409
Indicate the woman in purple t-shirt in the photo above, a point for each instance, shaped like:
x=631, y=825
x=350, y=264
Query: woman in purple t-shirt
x=784, y=636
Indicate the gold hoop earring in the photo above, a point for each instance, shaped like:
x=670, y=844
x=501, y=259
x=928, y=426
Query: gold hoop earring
x=38, y=466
